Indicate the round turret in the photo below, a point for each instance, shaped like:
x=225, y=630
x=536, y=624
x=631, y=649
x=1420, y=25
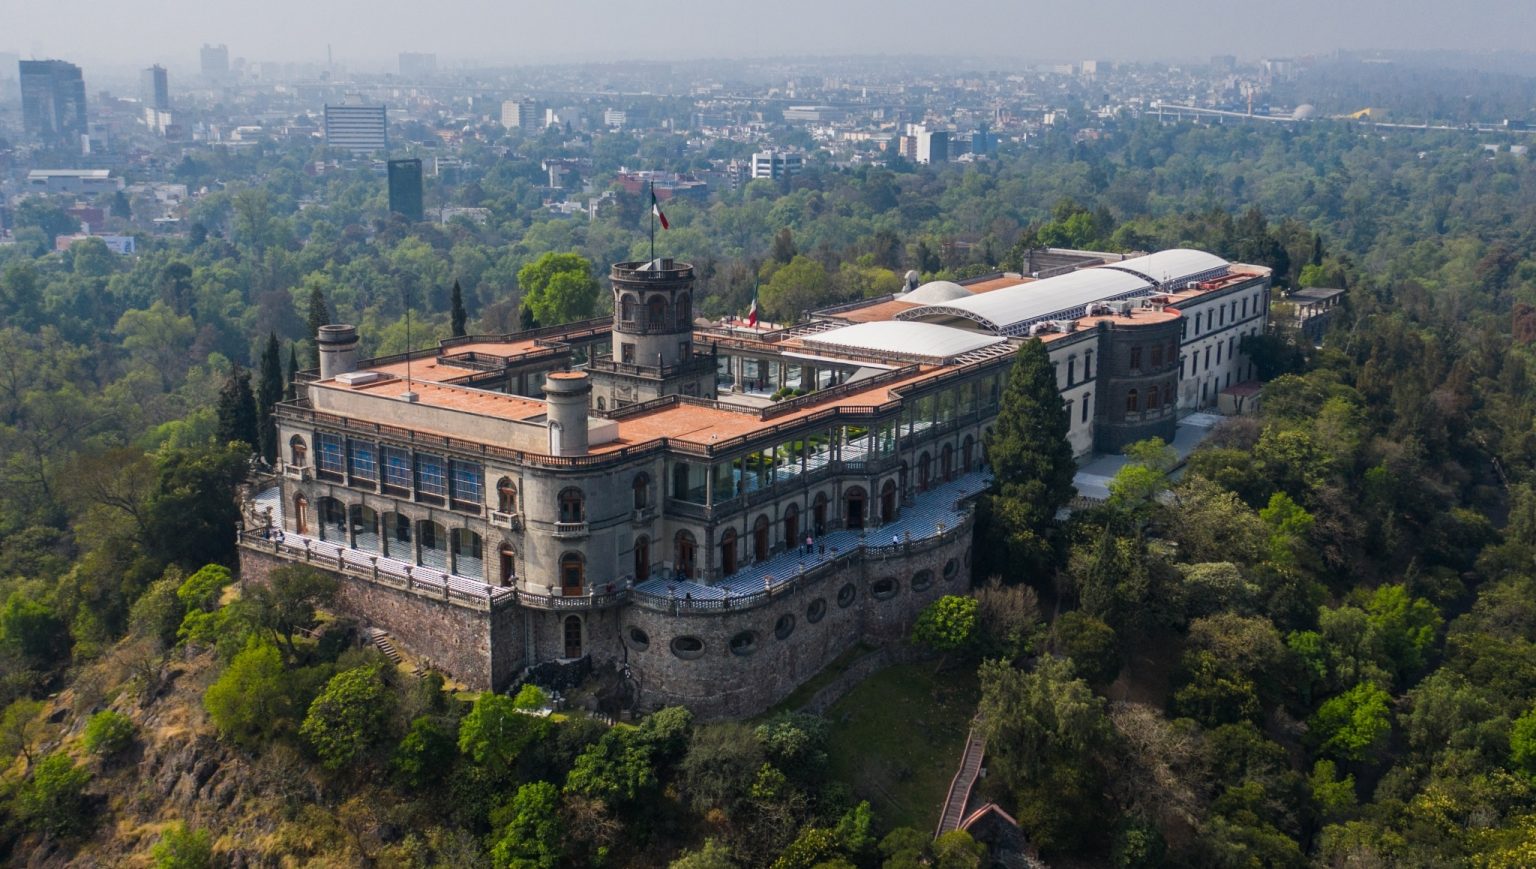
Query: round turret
x=338, y=350
x=565, y=398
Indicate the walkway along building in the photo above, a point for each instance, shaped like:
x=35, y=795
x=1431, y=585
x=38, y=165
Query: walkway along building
x=626, y=490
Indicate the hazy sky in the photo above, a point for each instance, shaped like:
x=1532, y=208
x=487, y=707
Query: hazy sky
x=369, y=33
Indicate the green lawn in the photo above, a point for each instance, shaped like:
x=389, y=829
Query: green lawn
x=897, y=737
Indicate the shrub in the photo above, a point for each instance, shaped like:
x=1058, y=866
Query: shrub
x=108, y=733
x=183, y=848
x=53, y=801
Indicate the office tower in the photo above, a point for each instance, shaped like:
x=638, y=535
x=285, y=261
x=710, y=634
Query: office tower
x=155, y=89
x=405, y=189
x=52, y=100
x=356, y=126
x=215, y=62
x=417, y=65
x=933, y=147
x=777, y=164
x=524, y=114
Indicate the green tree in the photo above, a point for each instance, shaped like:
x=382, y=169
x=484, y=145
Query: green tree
x=720, y=767
x=957, y=850
x=617, y=769
x=425, y=755
x=1354, y=724
x=191, y=513
x=1522, y=744
x=349, y=718
x=290, y=387
x=1402, y=630
x=249, y=701
x=530, y=837
x=318, y=315
x=800, y=285
x=530, y=697
x=53, y=801
x=202, y=590
x=183, y=848
x=1090, y=643
x=559, y=288
x=237, y=410
x=40, y=213
x=458, y=317
x=286, y=602
x=108, y=732
x=1030, y=456
x=493, y=733
x=33, y=630
x=947, y=625
x=19, y=728
x=269, y=391
x=713, y=854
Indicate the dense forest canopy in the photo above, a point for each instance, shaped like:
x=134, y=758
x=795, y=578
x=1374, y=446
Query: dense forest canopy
x=1314, y=645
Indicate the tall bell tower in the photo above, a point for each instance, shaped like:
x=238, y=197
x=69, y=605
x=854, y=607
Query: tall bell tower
x=653, y=352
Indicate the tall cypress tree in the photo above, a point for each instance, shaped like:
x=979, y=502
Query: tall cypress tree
x=290, y=392
x=237, y=409
x=1030, y=455
x=269, y=391
x=319, y=315
x=460, y=317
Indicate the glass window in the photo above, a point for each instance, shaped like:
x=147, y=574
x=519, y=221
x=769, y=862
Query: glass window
x=1087, y=365
x=572, y=506
x=331, y=458
x=1086, y=397
x=397, y=468
x=466, y=482
x=365, y=462
x=430, y=476
x=1135, y=358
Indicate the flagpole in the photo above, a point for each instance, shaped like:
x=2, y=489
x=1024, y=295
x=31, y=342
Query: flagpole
x=653, y=219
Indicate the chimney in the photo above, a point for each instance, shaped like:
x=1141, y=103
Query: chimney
x=338, y=350
x=565, y=397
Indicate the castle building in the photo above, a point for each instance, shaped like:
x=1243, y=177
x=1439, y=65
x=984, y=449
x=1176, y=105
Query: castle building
x=710, y=510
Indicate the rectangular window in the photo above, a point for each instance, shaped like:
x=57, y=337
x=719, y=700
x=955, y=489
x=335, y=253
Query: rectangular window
x=430, y=479
x=365, y=462
x=1218, y=354
x=1086, y=397
x=1245, y=307
x=1207, y=359
x=1197, y=324
x=1135, y=358
x=1071, y=370
x=1088, y=365
x=397, y=469
x=331, y=459
x=466, y=482
x=627, y=354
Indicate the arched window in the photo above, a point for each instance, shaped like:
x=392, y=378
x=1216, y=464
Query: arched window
x=468, y=553
x=641, y=488
x=300, y=514
x=627, y=308
x=507, y=558
x=968, y=453
x=947, y=462
x=760, y=542
x=573, y=574
x=642, y=559
x=506, y=495
x=1152, y=398
x=297, y=452
x=728, y=552
x=888, y=501
x=364, y=524
x=572, y=506
x=1132, y=402
x=397, y=537
x=1135, y=358
x=432, y=541
x=1157, y=356
x=819, y=513
x=656, y=312
x=684, y=551
x=924, y=471
x=853, y=507
x=333, y=521
x=791, y=527
x=684, y=307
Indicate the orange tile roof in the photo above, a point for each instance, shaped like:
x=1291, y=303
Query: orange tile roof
x=886, y=310
x=477, y=401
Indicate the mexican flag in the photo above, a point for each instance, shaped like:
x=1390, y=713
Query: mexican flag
x=656, y=211
x=752, y=311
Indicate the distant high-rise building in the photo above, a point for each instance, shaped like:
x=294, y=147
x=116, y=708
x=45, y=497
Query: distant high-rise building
x=357, y=127
x=933, y=147
x=8, y=62
x=405, y=192
x=417, y=65
x=524, y=114
x=52, y=100
x=777, y=164
x=155, y=88
x=215, y=62
x=615, y=118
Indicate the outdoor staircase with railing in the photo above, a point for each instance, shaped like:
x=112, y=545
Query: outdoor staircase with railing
x=965, y=779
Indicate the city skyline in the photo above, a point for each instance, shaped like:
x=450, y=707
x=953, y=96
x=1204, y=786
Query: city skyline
x=364, y=35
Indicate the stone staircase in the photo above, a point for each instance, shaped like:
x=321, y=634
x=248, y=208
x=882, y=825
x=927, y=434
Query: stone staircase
x=380, y=640
x=965, y=779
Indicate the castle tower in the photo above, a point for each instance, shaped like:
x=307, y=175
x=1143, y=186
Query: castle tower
x=653, y=352
x=565, y=394
x=338, y=350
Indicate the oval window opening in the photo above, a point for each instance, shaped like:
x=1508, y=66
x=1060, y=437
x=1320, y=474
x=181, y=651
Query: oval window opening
x=921, y=580
x=816, y=611
x=951, y=569
x=884, y=588
x=688, y=648
x=846, y=594
x=744, y=643
x=639, y=639
x=784, y=626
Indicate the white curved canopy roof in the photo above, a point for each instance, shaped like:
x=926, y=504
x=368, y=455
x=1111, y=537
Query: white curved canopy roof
x=935, y=292
x=1173, y=266
x=917, y=340
x=1011, y=310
